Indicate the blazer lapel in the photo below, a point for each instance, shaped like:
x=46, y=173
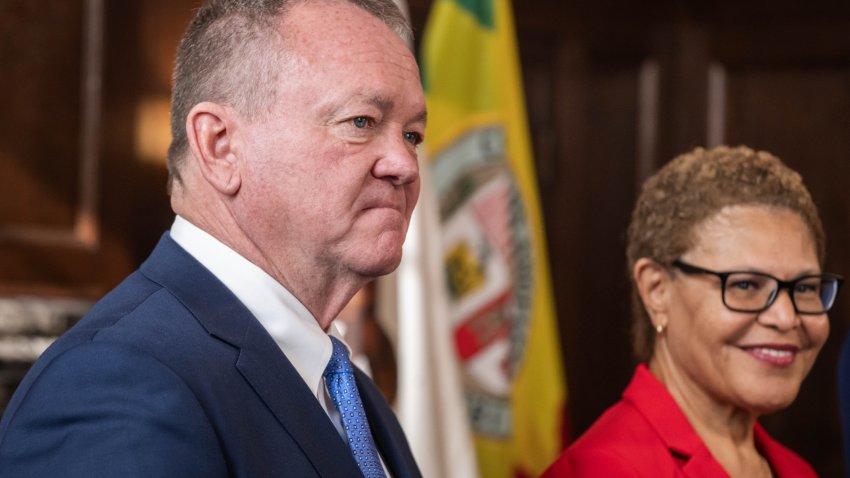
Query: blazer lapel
x=654, y=402
x=261, y=362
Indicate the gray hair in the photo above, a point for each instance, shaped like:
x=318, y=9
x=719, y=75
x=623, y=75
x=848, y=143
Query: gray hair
x=231, y=54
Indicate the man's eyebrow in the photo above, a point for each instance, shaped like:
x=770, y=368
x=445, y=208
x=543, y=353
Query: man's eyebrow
x=386, y=104
x=421, y=117
x=383, y=103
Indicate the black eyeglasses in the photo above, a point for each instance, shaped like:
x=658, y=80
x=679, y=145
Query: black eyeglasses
x=745, y=291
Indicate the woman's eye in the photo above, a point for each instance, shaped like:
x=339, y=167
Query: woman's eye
x=360, y=122
x=744, y=285
x=806, y=288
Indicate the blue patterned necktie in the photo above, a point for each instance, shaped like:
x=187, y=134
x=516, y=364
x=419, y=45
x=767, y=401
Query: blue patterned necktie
x=339, y=378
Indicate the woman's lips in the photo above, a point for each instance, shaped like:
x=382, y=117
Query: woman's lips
x=774, y=355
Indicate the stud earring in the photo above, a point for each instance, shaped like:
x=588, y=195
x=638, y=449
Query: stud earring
x=660, y=329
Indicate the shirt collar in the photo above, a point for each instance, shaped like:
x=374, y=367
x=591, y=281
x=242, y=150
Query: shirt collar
x=287, y=320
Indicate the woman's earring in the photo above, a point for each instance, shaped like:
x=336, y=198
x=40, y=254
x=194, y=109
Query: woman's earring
x=660, y=329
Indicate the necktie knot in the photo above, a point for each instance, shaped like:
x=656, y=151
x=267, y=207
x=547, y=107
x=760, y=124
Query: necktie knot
x=342, y=388
x=339, y=362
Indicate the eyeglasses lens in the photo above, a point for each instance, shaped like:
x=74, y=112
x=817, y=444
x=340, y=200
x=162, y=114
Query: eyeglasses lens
x=750, y=292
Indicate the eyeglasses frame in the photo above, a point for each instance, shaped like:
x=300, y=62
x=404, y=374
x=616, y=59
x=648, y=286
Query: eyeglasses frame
x=781, y=284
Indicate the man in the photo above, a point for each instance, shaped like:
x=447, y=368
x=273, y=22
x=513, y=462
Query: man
x=293, y=173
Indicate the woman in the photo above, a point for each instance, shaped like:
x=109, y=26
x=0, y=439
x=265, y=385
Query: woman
x=725, y=249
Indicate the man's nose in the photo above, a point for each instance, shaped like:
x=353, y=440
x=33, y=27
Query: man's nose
x=398, y=161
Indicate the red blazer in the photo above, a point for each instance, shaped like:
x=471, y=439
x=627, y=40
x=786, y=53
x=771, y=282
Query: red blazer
x=646, y=434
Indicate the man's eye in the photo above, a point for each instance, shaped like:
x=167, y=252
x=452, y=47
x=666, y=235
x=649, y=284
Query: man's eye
x=413, y=138
x=360, y=122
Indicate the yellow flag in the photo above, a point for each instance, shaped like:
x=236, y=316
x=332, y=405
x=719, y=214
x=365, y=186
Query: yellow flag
x=492, y=237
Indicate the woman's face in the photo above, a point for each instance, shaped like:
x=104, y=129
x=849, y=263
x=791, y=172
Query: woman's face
x=752, y=361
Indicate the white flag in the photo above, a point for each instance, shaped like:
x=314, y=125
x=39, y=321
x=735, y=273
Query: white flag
x=430, y=403
x=413, y=309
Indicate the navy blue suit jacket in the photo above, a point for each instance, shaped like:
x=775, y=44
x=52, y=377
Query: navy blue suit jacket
x=169, y=375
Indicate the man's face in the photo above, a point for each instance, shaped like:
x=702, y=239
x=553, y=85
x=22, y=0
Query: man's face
x=331, y=172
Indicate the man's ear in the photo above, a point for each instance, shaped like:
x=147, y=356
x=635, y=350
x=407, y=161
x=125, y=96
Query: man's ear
x=210, y=130
x=653, y=283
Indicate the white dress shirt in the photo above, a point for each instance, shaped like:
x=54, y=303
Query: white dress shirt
x=290, y=324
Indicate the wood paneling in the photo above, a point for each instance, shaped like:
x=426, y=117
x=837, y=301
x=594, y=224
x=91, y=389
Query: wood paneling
x=48, y=139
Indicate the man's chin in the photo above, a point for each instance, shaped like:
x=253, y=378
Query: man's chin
x=376, y=255
x=383, y=266
x=379, y=261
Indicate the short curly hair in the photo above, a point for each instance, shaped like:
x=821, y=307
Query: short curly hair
x=694, y=187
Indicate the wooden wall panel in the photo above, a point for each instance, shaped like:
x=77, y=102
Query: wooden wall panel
x=49, y=227
x=604, y=192
x=42, y=54
x=584, y=102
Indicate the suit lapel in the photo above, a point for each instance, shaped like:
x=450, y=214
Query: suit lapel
x=284, y=392
x=261, y=362
x=386, y=430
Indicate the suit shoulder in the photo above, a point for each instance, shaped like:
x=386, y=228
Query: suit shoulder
x=142, y=314
x=99, y=399
x=125, y=299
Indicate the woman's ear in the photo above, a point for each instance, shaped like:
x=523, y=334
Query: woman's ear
x=653, y=283
x=210, y=129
